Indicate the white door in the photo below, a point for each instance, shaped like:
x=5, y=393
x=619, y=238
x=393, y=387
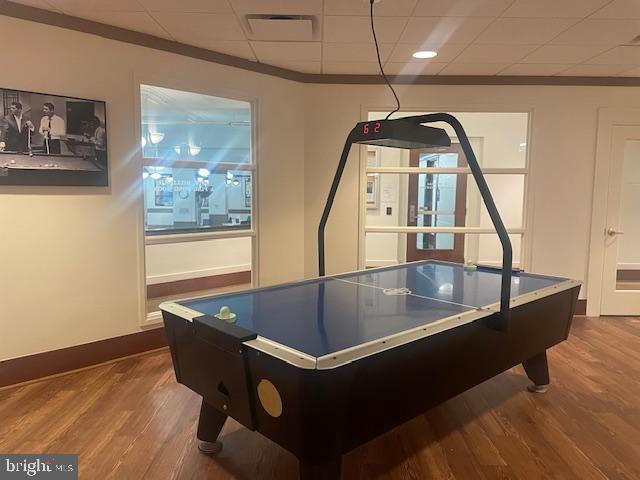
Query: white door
x=621, y=274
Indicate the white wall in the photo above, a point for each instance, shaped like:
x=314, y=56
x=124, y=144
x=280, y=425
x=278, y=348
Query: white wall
x=563, y=137
x=171, y=262
x=72, y=270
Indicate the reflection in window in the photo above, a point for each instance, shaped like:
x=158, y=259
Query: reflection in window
x=197, y=158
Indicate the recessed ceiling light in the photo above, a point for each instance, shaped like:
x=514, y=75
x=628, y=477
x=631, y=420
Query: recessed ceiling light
x=425, y=54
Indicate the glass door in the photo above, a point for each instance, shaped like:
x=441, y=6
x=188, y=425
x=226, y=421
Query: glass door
x=437, y=200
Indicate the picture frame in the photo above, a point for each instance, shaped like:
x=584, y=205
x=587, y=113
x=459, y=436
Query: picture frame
x=53, y=140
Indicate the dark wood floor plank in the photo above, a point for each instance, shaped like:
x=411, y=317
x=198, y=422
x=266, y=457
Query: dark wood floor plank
x=130, y=419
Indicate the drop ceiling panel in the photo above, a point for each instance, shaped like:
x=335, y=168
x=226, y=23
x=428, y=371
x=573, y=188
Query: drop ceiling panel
x=441, y=30
x=554, y=8
x=494, y=53
x=136, y=21
x=294, y=51
x=288, y=7
x=473, y=68
x=414, y=68
x=563, y=54
x=618, y=56
x=72, y=6
x=306, y=67
x=595, y=70
x=187, y=6
x=446, y=53
x=345, y=29
x=387, y=8
x=237, y=48
x=461, y=8
x=36, y=3
x=524, y=31
x=600, y=31
x=354, y=68
x=620, y=9
x=200, y=29
x=357, y=52
x=535, y=69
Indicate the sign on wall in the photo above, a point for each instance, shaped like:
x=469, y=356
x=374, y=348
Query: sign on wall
x=52, y=140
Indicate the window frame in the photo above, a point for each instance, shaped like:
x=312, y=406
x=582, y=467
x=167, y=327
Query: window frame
x=151, y=236
x=152, y=319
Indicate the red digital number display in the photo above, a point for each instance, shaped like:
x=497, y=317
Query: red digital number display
x=375, y=127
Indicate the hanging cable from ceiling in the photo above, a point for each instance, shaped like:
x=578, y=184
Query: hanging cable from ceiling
x=375, y=41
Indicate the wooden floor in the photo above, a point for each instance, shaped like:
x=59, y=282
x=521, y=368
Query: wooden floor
x=130, y=420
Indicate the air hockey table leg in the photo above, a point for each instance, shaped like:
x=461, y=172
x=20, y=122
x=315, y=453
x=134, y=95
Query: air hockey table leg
x=537, y=369
x=209, y=426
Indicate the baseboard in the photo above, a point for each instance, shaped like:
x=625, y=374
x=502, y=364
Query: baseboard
x=197, y=284
x=31, y=367
x=581, y=307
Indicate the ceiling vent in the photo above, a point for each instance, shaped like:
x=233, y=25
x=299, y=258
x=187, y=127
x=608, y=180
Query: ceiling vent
x=281, y=28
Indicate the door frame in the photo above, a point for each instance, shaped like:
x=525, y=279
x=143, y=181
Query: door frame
x=461, y=204
x=608, y=119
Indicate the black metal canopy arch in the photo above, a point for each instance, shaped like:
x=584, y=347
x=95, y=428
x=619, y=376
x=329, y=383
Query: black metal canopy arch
x=409, y=132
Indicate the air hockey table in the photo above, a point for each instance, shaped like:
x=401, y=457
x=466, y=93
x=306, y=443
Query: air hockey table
x=324, y=365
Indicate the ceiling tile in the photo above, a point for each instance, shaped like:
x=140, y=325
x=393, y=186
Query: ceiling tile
x=534, y=69
x=599, y=31
x=473, y=68
x=595, y=70
x=523, y=31
x=304, y=67
x=414, y=68
x=618, y=56
x=620, y=9
x=441, y=30
x=393, y=8
x=287, y=7
x=237, y=48
x=563, y=54
x=136, y=21
x=461, y=8
x=72, y=6
x=446, y=53
x=294, y=51
x=630, y=73
x=36, y=3
x=494, y=53
x=362, y=52
x=200, y=29
x=358, y=29
x=553, y=8
x=187, y=6
x=353, y=68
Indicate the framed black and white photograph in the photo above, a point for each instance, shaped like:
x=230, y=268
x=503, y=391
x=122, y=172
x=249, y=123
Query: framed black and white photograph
x=52, y=140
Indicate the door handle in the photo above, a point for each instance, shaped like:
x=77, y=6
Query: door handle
x=612, y=232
